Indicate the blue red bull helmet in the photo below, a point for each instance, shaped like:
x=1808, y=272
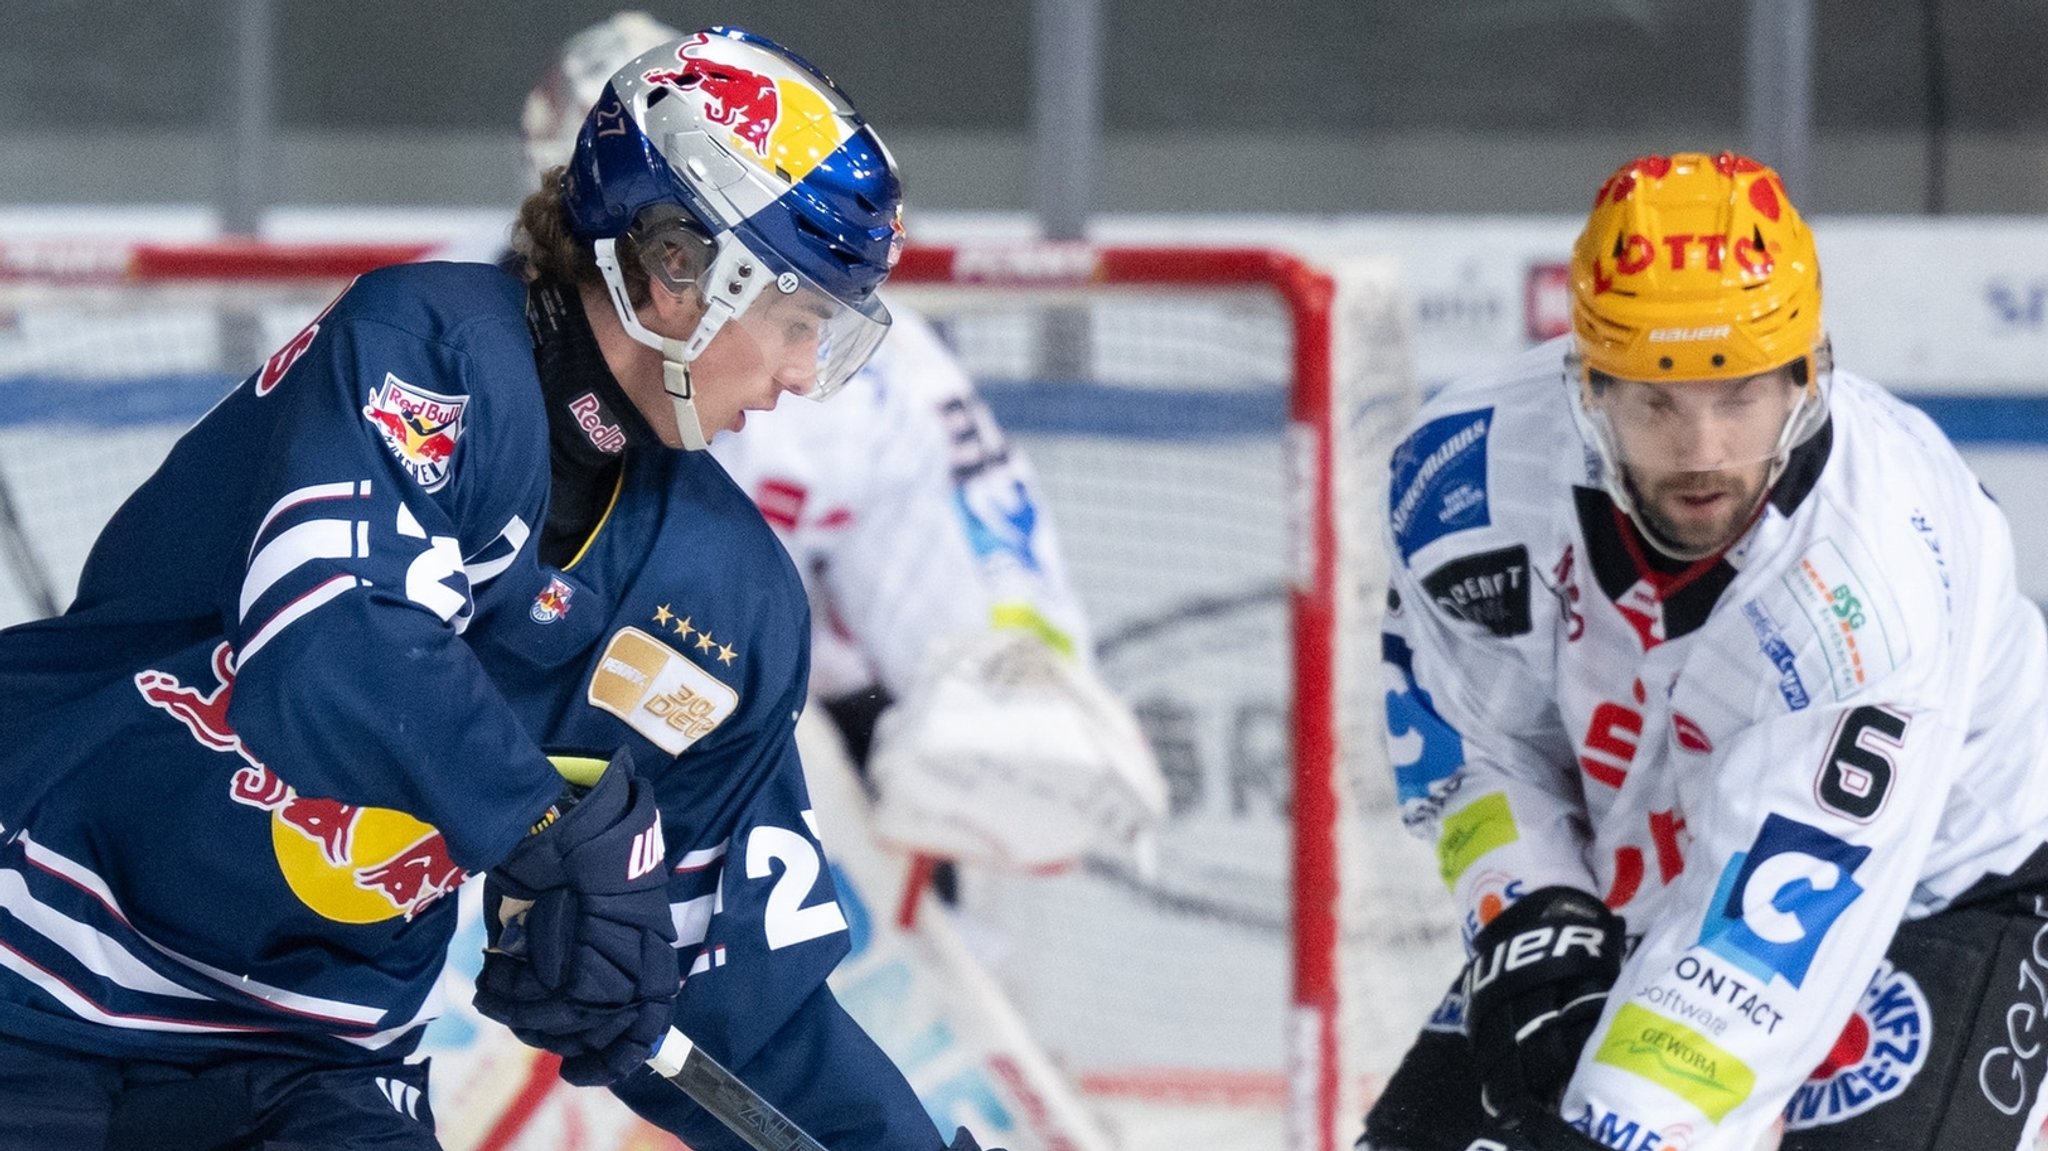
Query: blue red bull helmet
x=747, y=144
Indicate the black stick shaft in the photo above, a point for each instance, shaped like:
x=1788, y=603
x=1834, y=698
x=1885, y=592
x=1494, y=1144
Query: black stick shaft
x=730, y=1101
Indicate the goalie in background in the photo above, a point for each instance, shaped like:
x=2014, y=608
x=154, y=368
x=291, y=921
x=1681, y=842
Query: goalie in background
x=316, y=662
x=947, y=644
x=1745, y=804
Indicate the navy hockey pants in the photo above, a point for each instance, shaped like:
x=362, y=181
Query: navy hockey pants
x=51, y=1099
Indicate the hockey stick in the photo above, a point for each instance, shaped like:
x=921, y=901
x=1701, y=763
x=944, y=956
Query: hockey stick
x=21, y=556
x=730, y=1101
x=679, y=1060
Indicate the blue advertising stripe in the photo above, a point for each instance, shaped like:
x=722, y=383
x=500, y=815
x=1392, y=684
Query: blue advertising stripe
x=174, y=399
x=1054, y=407
x=1989, y=420
x=1028, y=407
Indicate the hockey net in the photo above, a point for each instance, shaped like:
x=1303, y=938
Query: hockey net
x=1210, y=427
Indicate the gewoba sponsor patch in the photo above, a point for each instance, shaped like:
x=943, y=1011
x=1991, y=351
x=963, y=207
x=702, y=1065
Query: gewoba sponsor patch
x=659, y=692
x=1439, y=480
x=1490, y=589
x=420, y=427
x=1676, y=1058
x=1472, y=831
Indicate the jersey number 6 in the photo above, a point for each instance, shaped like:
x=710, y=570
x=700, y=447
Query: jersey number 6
x=1858, y=773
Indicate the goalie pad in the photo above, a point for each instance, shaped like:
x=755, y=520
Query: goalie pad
x=1005, y=753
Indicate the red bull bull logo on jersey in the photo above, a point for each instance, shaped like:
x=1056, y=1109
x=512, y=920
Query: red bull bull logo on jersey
x=553, y=601
x=781, y=120
x=420, y=427
x=348, y=863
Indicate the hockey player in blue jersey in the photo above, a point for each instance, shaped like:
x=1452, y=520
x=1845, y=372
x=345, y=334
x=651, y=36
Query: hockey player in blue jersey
x=332, y=658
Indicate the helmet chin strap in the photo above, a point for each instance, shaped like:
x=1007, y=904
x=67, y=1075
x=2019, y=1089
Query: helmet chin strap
x=675, y=355
x=675, y=380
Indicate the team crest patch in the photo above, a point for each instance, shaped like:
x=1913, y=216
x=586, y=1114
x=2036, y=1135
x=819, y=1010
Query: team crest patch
x=659, y=692
x=420, y=427
x=553, y=601
x=1879, y=1052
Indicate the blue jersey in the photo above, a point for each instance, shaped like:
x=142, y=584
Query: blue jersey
x=305, y=689
x=681, y=629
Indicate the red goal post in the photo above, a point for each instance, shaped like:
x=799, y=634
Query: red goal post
x=1348, y=386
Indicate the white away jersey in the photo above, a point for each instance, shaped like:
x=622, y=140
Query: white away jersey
x=908, y=514
x=1764, y=761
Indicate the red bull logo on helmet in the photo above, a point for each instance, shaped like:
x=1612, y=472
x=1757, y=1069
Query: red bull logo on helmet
x=348, y=863
x=779, y=119
x=420, y=427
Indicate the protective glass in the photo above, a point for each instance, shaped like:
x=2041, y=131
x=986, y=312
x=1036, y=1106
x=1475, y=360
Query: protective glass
x=1696, y=425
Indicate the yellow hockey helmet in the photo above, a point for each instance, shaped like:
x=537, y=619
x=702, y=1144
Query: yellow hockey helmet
x=1695, y=267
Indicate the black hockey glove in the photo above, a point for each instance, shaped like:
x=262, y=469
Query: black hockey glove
x=963, y=1141
x=1534, y=990
x=580, y=958
x=1533, y=1130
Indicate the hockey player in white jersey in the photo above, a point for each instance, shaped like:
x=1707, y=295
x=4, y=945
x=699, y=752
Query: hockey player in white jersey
x=1707, y=673
x=945, y=630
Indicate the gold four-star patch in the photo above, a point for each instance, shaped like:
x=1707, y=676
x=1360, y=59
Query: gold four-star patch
x=684, y=628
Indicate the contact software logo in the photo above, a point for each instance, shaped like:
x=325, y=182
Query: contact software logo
x=1777, y=900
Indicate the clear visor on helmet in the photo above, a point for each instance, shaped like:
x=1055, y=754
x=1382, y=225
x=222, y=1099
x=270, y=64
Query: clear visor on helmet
x=1697, y=425
x=812, y=342
x=809, y=341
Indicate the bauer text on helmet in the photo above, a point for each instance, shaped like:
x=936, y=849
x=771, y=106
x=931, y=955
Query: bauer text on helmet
x=1698, y=352
x=727, y=135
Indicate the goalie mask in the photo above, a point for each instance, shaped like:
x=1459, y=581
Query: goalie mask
x=743, y=174
x=1698, y=357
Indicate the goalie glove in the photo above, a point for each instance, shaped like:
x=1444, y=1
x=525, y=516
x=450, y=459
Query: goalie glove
x=1007, y=754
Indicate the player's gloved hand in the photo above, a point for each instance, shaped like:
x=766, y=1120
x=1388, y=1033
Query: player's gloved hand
x=580, y=958
x=1533, y=1129
x=1534, y=990
x=963, y=1141
x=1008, y=754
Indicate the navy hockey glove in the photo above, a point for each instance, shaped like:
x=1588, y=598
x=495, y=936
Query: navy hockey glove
x=581, y=954
x=962, y=1141
x=1534, y=991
